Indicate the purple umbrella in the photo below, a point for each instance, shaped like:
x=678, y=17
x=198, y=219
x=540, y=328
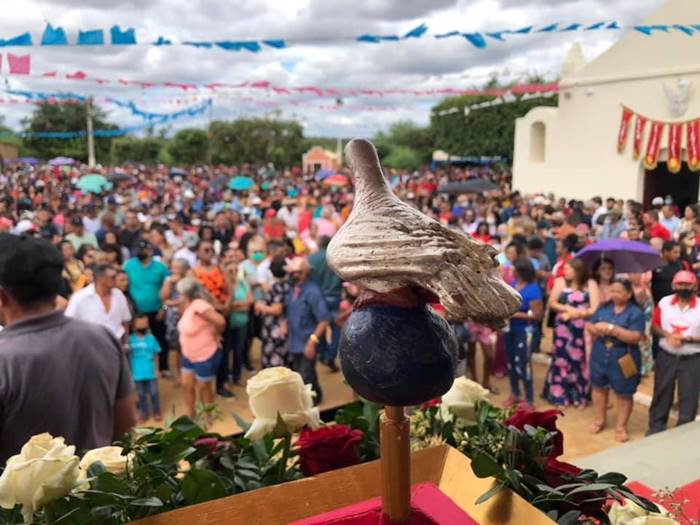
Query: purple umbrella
x=62, y=161
x=627, y=256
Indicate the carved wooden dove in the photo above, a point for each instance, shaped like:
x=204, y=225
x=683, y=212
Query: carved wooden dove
x=387, y=245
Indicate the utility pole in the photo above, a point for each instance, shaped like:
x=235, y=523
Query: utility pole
x=90, y=137
x=339, y=152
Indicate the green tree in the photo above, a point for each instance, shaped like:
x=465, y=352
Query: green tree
x=66, y=117
x=257, y=140
x=189, y=146
x=145, y=150
x=486, y=131
x=406, y=145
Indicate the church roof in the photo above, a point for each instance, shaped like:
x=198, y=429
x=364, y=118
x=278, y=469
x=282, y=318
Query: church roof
x=637, y=55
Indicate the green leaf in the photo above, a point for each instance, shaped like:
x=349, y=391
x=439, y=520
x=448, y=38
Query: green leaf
x=163, y=492
x=147, y=502
x=200, y=485
x=612, y=477
x=184, y=424
x=484, y=466
x=242, y=423
x=489, y=493
x=280, y=430
x=592, y=487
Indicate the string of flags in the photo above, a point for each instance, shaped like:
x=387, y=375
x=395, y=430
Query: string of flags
x=57, y=36
x=654, y=138
x=506, y=98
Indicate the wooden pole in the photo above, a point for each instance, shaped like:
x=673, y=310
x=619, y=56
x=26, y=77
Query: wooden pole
x=395, y=465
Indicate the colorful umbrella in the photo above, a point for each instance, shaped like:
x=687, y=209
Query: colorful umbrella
x=62, y=161
x=117, y=177
x=627, y=256
x=241, y=183
x=323, y=174
x=336, y=180
x=93, y=183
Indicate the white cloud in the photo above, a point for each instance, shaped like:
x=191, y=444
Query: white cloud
x=419, y=64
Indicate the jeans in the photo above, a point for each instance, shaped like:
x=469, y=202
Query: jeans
x=158, y=330
x=519, y=368
x=146, y=389
x=235, y=342
x=328, y=352
x=307, y=369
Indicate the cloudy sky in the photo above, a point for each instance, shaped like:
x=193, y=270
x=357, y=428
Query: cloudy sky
x=322, y=52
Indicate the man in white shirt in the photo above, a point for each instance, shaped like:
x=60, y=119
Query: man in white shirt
x=677, y=322
x=91, y=222
x=668, y=219
x=189, y=250
x=102, y=303
x=289, y=213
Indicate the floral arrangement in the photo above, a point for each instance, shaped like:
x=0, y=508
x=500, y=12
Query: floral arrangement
x=155, y=470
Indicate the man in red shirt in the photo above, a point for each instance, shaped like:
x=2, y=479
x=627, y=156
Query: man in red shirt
x=653, y=227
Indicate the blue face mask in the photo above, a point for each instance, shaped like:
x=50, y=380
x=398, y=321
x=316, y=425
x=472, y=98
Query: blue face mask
x=257, y=256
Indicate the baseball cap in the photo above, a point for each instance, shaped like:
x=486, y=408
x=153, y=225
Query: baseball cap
x=657, y=201
x=29, y=267
x=684, y=277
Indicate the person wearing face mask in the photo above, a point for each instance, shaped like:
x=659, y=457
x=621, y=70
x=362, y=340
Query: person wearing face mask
x=146, y=277
x=676, y=322
x=257, y=251
x=143, y=348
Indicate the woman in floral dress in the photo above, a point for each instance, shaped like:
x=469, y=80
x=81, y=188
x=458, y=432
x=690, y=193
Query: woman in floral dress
x=574, y=299
x=274, y=331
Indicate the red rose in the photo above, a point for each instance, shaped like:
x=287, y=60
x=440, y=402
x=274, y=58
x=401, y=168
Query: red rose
x=213, y=444
x=546, y=419
x=328, y=448
x=432, y=403
x=555, y=471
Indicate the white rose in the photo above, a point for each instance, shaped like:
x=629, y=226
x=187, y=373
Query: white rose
x=279, y=390
x=632, y=514
x=462, y=397
x=45, y=470
x=110, y=457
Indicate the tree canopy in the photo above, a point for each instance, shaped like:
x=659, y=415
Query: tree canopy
x=258, y=140
x=146, y=150
x=406, y=145
x=189, y=146
x=65, y=117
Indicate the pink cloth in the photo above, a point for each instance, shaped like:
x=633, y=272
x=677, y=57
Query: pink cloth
x=430, y=506
x=198, y=338
x=325, y=227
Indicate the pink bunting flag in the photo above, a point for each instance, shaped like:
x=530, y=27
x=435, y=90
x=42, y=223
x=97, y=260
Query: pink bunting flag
x=49, y=74
x=19, y=65
x=78, y=75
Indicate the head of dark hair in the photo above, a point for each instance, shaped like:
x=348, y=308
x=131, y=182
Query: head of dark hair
x=113, y=248
x=598, y=264
x=570, y=243
x=524, y=270
x=580, y=269
x=140, y=315
x=277, y=266
x=99, y=270
x=668, y=246
x=627, y=285
x=84, y=248
x=519, y=248
x=324, y=241
x=535, y=243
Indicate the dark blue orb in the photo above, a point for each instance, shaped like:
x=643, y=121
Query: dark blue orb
x=398, y=356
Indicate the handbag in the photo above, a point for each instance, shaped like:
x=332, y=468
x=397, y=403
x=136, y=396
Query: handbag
x=628, y=365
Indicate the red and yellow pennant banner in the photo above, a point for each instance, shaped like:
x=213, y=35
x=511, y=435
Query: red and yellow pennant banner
x=674, y=146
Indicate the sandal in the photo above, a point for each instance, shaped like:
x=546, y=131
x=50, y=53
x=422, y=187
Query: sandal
x=596, y=428
x=621, y=435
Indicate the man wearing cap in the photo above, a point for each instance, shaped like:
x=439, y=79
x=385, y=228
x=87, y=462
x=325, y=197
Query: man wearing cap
x=307, y=321
x=146, y=277
x=676, y=321
x=79, y=236
x=58, y=375
x=188, y=251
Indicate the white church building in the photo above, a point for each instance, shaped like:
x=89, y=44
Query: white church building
x=644, y=84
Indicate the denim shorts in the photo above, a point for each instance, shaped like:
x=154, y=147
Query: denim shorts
x=203, y=370
x=606, y=371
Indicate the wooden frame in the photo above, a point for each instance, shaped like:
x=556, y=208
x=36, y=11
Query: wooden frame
x=282, y=504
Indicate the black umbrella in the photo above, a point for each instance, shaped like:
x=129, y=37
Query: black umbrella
x=470, y=186
x=117, y=177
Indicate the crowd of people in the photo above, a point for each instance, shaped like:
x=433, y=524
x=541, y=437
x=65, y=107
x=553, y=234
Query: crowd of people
x=187, y=274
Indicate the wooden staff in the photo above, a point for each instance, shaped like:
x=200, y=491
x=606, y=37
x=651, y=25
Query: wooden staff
x=395, y=464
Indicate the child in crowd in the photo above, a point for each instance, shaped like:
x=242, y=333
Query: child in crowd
x=143, y=350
